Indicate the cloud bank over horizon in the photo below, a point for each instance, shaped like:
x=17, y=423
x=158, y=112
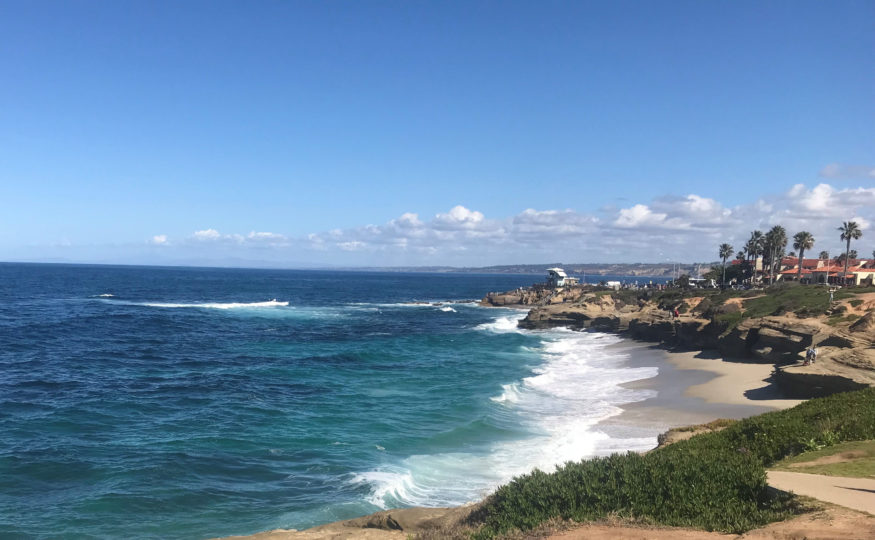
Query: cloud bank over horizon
x=669, y=228
x=683, y=228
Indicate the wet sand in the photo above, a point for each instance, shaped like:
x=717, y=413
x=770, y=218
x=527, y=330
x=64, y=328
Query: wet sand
x=692, y=388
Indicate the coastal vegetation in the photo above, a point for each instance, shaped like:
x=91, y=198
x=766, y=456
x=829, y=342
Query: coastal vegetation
x=854, y=459
x=712, y=481
x=725, y=252
x=850, y=231
x=802, y=240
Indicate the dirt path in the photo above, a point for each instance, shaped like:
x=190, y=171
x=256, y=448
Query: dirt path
x=832, y=523
x=856, y=493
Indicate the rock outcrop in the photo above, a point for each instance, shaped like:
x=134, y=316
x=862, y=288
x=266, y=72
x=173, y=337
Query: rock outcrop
x=864, y=324
x=533, y=296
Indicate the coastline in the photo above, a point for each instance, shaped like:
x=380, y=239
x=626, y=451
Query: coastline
x=692, y=387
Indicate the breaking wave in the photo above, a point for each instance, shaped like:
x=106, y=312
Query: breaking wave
x=577, y=384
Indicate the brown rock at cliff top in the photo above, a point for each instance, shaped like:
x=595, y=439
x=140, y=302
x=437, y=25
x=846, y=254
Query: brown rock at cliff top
x=865, y=324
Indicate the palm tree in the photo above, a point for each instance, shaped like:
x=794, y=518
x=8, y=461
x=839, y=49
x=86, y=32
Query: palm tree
x=850, y=231
x=754, y=247
x=824, y=255
x=802, y=241
x=775, y=243
x=725, y=252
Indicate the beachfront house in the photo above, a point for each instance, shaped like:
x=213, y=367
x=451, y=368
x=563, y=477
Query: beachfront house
x=557, y=278
x=860, y=272
x=789, y=269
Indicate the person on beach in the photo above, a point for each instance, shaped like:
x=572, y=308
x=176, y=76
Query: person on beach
x=677, y=314
x=810, y=356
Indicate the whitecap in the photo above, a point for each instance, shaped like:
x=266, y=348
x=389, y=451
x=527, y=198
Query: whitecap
x=502, y=325
x=448, y=309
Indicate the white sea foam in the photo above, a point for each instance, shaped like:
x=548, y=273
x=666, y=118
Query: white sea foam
x=393, y=304
x=218, y=305
x=106, y=295
x=448, y=309
x=576, y=386
x=511, y=394
x=417, y=304
x=503, y=324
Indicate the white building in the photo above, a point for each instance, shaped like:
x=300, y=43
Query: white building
x=556, y=277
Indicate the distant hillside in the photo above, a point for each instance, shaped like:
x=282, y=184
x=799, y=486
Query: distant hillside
x=634, y=269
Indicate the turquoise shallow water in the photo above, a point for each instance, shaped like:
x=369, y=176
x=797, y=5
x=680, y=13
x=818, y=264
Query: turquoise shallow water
x=189, y=403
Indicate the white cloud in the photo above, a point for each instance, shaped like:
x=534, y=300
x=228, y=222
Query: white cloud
x=159, y=240
x=667, y=228
x=458, y=217
x=408, y=220
x=803, y=208
x=207, y=234
x=545, y=223
x=265, y=236
x=862, y=222
x=353, y=245
x=640, y=216
x=266, y=239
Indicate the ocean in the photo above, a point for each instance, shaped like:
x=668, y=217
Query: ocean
x=194, y=403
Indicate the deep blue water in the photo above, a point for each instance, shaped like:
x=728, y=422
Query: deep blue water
x=189, y=403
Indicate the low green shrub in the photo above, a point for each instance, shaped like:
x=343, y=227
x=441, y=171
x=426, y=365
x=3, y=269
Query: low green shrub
x=713, y=481
x=729, y=320
x=803, y=300
x=849, y=416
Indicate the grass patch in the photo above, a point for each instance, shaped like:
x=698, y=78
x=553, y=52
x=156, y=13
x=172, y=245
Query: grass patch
x=713, y=481
x=720, y=423
x=850, y=292
x=803, y=300
x=835, y=320
x=856, y=303
x=857, y=460
x=731, y=320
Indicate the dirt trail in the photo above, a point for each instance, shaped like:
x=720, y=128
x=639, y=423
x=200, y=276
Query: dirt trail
x=831, y=523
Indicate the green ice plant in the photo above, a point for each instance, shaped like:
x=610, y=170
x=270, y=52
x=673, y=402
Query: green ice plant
x=712, y=481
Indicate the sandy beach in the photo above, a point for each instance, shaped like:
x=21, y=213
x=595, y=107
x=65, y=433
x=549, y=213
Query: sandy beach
x=692, y=387
x=734, y=382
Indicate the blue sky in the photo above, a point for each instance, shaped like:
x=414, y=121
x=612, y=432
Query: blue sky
x=466, y=133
